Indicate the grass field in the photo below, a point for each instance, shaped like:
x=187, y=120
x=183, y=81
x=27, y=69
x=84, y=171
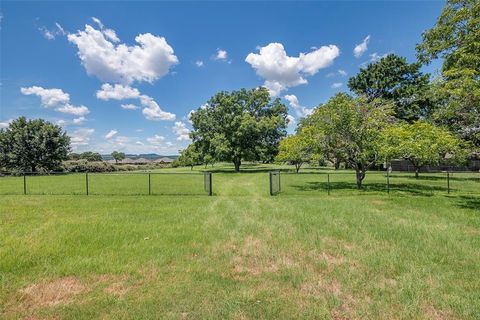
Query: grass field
x=241, y=254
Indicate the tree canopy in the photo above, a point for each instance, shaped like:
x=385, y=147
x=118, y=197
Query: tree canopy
x=118, y=156
x=393, y=78
x=422, y=144
x=244, y=125
x=296, y=149
x=32, y=145
x=350, y=128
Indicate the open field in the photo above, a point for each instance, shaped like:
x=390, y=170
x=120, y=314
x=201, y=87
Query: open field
x=241, y=254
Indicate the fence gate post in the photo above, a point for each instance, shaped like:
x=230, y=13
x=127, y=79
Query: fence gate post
x=328, y=183
x=388, y=182
x=24, y=183
x=448, y=182
x=271, y=190
x=86, y=182
x=149, y=185
x=210, y=192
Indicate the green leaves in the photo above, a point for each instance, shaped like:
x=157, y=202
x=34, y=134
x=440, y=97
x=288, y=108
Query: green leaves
x=392, y=78
x=240, y=125
x=29, y=145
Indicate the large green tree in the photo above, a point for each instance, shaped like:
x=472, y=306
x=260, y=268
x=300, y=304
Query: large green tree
x=296, y=149
x=189, y=157
x=350, y=127
x=32, y=145
x=455, y=38
x=421, y=143
x=243, y=125
x=118, y=156
x=393, y=78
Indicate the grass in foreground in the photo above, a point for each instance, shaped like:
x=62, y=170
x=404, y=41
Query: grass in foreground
x=241, y=254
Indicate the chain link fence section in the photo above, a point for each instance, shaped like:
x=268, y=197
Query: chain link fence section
x=89, y=183
x=274, y=183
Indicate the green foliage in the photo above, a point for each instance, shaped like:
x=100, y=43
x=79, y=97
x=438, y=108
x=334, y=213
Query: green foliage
x=240, y=125
x=31, y=145
x=91, y=156
x=84, y=165
x=296, y=149
x=422, y=144
x=349, y=128
x=118, y=156
x=392, y=78
x=189, y=157
x=455, y=37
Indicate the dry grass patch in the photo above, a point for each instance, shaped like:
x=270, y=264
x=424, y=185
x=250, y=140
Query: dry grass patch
x=52, y=293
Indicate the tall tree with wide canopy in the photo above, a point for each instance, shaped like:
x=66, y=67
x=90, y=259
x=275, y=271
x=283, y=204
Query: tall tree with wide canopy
x=118, y=156
x=393, y=78
x=455, y=38
x=32, y=145
x=351, y=127
x=244, y=125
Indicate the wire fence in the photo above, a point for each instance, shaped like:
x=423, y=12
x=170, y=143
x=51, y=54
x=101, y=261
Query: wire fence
x=306, y=183
x=132, y=183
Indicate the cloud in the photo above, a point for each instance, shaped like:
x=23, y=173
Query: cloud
x=290, y=120
x=299, y=110
x=221, y=55
x=102, y=57
x=117, y=92
x=374, y=57
x=336, y=85
x=5, y=124
x=81, y=137
x=51, y=34
x=181, y=131
x=57, y=99
x=76, y=111
x=75, y=121
x=111, y=134
x=129, y=106
x=361, y=48
x=48, y=97
x=341, y=72
x=199, y=63
x=152, y=110
x=156, y=139
x=281, y=71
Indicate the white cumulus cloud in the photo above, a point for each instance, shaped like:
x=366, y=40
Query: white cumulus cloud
x=281, y=71
x=129, y=106
x=156, y=140
x=221, y=55
x=81, y=137
x=181, y=131
x=362, y=47
x=299, y=110
x=152, y=110
x=336, y=85
x=57, y=99
x=111, y=134
x=110, y=61
x=199, y=63
x=117, y=92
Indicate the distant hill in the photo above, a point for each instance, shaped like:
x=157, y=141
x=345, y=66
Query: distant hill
x=149, y=156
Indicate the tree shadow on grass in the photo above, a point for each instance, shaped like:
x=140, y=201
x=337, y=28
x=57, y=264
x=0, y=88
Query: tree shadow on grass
x=409, y=188
x=469, y=202
x=437, y=177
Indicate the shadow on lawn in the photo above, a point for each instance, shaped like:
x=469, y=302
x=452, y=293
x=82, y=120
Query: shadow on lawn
x=410, y=188
x=469, y=202
x=436, y=177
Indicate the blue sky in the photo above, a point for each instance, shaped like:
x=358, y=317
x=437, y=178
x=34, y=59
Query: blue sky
x=77, y=64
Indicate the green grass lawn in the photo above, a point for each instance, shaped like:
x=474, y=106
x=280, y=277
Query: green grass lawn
x=241, y=254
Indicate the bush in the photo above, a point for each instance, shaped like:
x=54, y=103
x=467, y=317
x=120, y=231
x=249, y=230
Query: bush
x=87, y=166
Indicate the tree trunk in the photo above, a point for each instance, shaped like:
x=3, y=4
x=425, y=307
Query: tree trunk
x=297, y=166
x=33, y=168
x=337, y=164
x=237, y=163
x=417, y=170
x=360, y=177
x=191, y=168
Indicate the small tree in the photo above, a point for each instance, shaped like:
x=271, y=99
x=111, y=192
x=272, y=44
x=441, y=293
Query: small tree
x=189, y=157
x=296, y=149
x=118, y=156
x=421, y=143
x=350, y=127
x=91, y=156
x=30, y=145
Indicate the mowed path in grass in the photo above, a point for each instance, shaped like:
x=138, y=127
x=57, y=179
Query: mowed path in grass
x=241, y=254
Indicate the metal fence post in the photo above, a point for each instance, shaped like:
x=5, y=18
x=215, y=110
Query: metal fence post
x=24, y=183
x=210, y=192
x=271, y=191
x=86, y=182
x=448, y=182
x=149, y=184
x=328, y=183
x=279, y=182
x=388, y=182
